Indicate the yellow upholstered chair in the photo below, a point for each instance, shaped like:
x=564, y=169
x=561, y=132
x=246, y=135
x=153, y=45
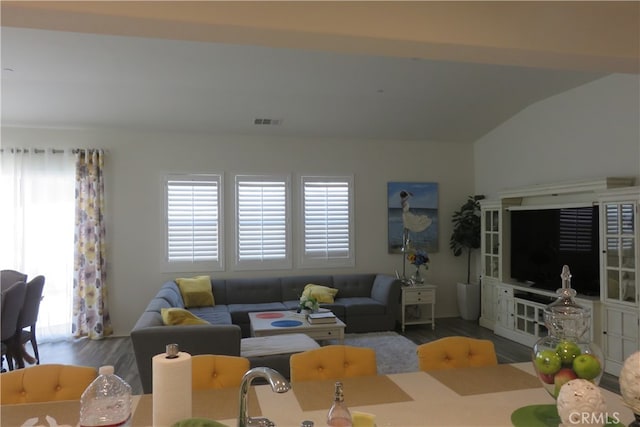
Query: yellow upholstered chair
x=456, y=352
x=44, y=383
x=217, y=371
x=333, y=362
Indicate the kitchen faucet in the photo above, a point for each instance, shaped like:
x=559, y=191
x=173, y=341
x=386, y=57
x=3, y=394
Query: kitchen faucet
x=278, y=384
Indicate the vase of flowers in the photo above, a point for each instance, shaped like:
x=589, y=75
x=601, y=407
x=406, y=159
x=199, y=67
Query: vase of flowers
x=418, y=258
x=308, y=305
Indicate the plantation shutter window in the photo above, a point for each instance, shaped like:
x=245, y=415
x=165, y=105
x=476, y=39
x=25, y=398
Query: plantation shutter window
x=262, y=226
x=327, y=221
x=576, y=230
x=193, y=223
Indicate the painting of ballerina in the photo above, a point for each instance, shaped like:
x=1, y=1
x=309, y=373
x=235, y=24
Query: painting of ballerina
x=413, y=212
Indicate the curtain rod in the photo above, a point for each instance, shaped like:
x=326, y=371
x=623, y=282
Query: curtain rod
x=43, y=150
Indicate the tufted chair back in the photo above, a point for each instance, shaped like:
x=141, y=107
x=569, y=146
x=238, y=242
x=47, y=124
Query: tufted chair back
x=456, y=352
x=333, y=362
x=217, y=371
x=45, y=383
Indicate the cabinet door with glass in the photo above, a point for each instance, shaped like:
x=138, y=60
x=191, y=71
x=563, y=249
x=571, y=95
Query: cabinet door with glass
x=490, y=241
x=619, y=278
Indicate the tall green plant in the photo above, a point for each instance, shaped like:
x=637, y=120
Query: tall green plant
x=466, y=230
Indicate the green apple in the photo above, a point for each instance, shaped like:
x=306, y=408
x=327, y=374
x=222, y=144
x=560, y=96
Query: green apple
x=563, y=376
x=548, y=362
x=587, y=366
x=568, y=350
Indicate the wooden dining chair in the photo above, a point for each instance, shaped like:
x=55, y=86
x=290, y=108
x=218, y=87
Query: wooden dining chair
x=217, y=371
x=456, y=352
x=26, y=327
x=333, y=362
x=45, y=383
x=12, y=301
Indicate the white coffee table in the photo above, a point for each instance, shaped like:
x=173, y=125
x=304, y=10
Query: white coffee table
x=268, y=323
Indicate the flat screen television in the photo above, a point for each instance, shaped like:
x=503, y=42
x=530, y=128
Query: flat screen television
x=544, y=240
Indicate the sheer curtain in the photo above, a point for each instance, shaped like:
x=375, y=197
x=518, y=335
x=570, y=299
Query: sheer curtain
x=37, y=228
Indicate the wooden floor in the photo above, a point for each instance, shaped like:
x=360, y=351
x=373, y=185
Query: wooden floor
x=119, y=351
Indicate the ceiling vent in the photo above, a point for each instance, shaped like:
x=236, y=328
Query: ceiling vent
x=268, y=122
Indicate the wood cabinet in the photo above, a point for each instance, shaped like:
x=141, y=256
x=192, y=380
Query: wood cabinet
x=504, y=309
x=529, y=320
x=514, y=310
x=620, y=336
x=619, y=276
x=491, y=241
x=492, y=256
x=488, y=297
x=418, y=305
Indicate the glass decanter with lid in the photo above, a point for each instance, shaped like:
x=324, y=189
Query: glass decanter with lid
x=567, y=352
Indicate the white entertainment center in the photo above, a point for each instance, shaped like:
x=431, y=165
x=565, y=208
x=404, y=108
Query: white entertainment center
x=514, y=310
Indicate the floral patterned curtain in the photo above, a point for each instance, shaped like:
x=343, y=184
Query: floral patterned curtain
x=90, y=310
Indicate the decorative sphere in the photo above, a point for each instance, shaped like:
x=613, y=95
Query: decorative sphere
x=580, y=402
x=630, y=382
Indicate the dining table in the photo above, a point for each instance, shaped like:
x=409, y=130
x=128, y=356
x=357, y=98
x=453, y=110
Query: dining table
x=502, y=395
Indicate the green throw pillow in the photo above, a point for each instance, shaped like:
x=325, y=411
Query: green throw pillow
x=322, y=294
x=196, y=291
x=180, y=316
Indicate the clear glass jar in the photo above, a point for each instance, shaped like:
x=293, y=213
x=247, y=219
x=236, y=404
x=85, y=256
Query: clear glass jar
x=567, y=352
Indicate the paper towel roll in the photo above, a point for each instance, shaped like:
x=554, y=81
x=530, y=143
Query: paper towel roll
x=171, y=389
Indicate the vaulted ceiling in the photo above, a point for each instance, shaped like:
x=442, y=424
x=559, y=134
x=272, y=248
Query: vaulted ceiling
x=448, y=71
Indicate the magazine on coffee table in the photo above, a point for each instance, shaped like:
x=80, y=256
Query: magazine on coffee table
x=322, y=317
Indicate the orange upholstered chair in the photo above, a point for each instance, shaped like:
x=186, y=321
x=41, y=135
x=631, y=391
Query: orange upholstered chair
x=217, y=371
x=333, y=362
x=45, y=383
x=456, y=352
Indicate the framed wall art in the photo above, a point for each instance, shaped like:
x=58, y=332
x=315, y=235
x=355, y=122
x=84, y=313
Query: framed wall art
x=412, y=206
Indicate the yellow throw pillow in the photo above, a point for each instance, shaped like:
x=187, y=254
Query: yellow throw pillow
x=196, y=291
x=180, y=316
x=322, y=294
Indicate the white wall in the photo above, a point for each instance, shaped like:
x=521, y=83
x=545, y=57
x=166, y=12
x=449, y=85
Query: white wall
x=587, y=132
x=136, y=162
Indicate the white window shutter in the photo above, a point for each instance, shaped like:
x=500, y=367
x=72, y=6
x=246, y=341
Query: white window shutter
x=576, y=230
x=327, y=221
x=262, y=227
x=193, y=222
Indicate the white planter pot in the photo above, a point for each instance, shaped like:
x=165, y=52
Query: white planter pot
x=469, y=300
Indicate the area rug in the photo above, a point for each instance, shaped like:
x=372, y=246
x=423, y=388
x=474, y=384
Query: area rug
x=394, y=353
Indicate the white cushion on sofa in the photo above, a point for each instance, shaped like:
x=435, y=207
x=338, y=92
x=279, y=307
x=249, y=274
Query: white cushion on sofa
x=276, y=344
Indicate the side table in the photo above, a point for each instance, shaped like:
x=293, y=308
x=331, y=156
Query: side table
x=415, y=305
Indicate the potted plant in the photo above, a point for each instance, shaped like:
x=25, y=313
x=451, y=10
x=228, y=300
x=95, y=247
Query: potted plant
x=464, y=239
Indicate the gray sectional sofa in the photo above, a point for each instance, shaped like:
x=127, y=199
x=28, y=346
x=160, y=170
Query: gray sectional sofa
x=365, y=302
